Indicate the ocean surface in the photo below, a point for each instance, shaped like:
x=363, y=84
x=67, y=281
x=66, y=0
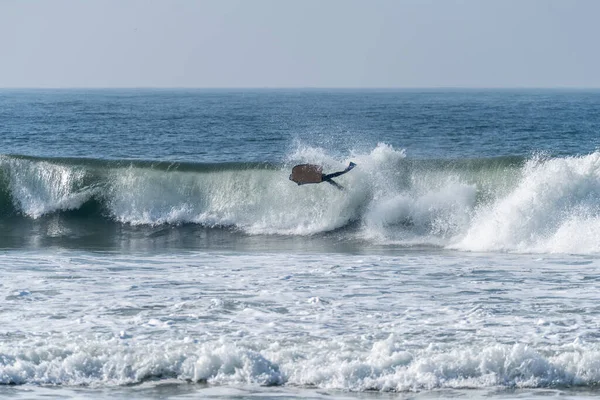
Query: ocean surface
x=152, y=246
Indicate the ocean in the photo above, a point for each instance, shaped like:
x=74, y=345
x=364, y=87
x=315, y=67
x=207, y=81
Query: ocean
x=152, y=245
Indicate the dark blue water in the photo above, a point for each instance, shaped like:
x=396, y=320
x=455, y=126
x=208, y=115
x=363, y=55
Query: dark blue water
x=264, y=125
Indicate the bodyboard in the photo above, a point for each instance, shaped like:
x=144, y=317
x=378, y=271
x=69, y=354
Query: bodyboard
x=307, y=173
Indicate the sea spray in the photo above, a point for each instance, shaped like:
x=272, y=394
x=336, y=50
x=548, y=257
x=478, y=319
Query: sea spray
x=39, y=188
x=552, y=198
x=386, y=366
x=507, y=204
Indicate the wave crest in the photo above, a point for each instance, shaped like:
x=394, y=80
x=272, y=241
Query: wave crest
x=506, y=204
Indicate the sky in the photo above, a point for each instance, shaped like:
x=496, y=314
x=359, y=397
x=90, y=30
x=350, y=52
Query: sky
x=300, y=43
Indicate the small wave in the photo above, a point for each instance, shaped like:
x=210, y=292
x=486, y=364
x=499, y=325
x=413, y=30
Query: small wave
x=385, y=367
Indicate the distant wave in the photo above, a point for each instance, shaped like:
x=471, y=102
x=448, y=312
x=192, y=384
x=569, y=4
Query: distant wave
x=509, y=204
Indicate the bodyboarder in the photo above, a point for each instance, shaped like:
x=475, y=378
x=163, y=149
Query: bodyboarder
x=304, y=174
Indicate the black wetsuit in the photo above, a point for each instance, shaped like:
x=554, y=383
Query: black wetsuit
x=327, y=177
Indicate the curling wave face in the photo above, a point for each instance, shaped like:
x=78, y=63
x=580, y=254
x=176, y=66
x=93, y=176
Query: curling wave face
x=508, y=204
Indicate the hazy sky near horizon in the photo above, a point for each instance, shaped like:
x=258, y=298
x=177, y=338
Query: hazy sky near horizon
x=299, y=43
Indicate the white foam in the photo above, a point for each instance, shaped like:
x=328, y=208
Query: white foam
x=547, y=206
x=414, y=321
x=386, y=367
x=40, y=188
x=256, y=201
x=429, y=215
x=554, y=208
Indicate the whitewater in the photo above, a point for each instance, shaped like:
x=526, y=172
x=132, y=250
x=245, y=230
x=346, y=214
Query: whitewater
x=535, y=205
x=152, y=245
x=410, y=323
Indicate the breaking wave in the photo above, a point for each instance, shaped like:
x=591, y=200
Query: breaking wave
x=384, y=367
x=537, y=204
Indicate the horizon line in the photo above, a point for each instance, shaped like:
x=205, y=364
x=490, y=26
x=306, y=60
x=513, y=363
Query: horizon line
x=299, y=87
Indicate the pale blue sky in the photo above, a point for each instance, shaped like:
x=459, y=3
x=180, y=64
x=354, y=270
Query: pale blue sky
x=293, y=43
